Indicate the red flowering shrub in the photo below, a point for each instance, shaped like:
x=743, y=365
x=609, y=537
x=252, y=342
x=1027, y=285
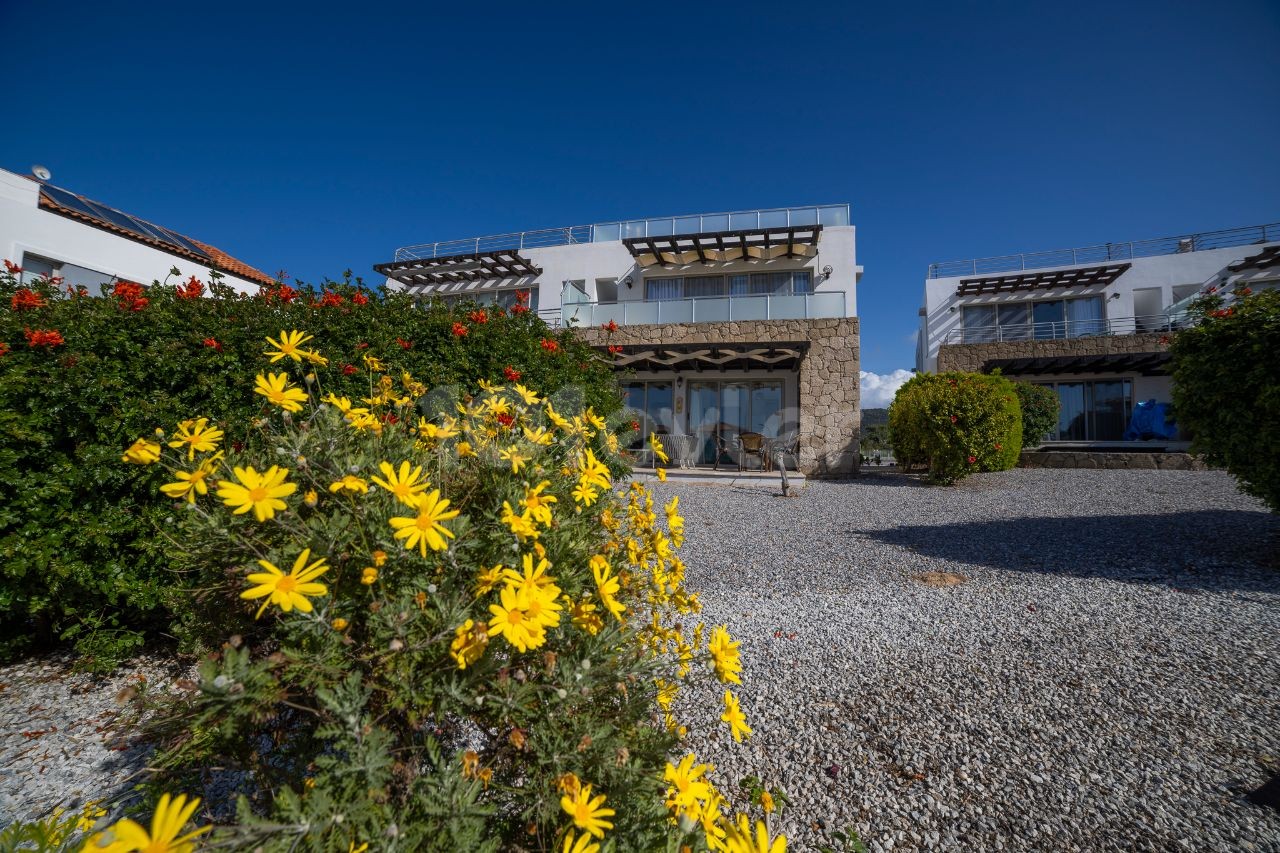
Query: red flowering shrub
x=611, y=327
x=550, y=345
x=511, y=374
x=614, y=349
x=130, y=295
x=12, y=268
x=478, y=316
x=404, y=344
x=956, y=424
x=330, y=300
x=517, y=310
x=459, y=330
x=359, y=298
x=80, y=549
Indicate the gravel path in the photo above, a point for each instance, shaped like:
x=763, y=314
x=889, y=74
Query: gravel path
x=1107, y=677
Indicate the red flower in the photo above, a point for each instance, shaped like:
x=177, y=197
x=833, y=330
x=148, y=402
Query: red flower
x=550, y=345
x=511, y=373
x=478, y=316
x=506, y=419
x=25, y=299
x=614, y=349
x=635, y=426
x=972, y=459
x=4, y=349
x=349, y=370
x=285, y=293
x=997, y=445
x=212, y=343
x=11, y=268
x=1164, y=339
x=130, y=295
x=522, y=297
x=330, y=300
x=498, y=312
x=237, y=446
x=459, y=330
x=404, y=344
x=193, y=289
x=519, y=309
x=57, y=280
x=954, y=419
x=611, y=327
x=359, y=298
x=389, y=418
x=43, y=338
x=1244, y=291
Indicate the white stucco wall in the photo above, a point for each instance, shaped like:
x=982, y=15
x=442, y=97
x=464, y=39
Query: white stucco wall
x=24, y=227
x=587, y=262
x=942, y=307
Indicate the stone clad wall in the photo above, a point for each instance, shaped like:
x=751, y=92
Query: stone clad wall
x=828, y=381
x=971, y=357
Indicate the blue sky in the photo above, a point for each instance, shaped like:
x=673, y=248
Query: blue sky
x=316, y=140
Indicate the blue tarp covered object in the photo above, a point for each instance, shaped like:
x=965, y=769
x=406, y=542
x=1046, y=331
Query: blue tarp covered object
x=1151, y=420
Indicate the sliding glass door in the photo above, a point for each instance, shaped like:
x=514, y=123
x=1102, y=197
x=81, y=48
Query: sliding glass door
x=651, y=405
x=1092, y=411
x=727, y=409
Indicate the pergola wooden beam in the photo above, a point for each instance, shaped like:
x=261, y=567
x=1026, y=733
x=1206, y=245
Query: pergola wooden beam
x=712, y=246
x=1080, y=277
x=446, y=269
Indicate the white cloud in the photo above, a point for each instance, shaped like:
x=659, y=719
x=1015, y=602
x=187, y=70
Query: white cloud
x=878, y=388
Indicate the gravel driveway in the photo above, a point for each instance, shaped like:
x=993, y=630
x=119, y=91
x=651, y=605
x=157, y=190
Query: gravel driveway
x=1106, y=677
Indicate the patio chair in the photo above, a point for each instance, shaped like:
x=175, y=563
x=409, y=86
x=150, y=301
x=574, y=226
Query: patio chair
x=752, y=444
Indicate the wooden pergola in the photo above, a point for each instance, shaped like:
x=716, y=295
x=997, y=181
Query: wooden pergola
x=701, y=357
x=1145, y=363
x=798, y=241
x=452, y=269
x=1102, y=275
x=1268, y=257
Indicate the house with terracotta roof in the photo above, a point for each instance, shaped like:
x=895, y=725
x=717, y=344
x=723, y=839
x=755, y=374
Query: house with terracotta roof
x=50, y=231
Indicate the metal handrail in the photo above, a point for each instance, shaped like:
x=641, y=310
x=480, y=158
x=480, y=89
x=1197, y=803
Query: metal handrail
x=1244, y=236
x=693, y=223
x=1058, y=329
x=707, y=309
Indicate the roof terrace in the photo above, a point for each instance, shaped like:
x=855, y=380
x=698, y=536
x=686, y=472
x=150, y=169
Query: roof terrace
x=661, y=226
x=1246, y=236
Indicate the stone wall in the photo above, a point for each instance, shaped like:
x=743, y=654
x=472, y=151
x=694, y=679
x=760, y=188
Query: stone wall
x=828, y=380
x=971, y=357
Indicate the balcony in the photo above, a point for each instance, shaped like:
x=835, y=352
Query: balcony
x=801, y=306
x=661, y=226
x=1091, y=328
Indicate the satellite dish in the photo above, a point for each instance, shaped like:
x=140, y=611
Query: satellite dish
x=41, y=172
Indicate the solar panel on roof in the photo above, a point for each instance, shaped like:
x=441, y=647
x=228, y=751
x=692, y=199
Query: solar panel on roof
x=120, y=219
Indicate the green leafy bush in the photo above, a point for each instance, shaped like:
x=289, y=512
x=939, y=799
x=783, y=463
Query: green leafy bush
x=956, y=424
x=1226, y=388
x=448, y=633
x=84, y=549
x=1039, y=405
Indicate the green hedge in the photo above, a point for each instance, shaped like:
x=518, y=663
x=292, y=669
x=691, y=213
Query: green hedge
x=1039, y=406
x=956, y=424
x=1226, y=388
x=83, y=547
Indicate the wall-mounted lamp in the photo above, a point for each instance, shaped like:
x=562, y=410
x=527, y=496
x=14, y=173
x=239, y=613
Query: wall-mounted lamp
x=826, y=272
x=679, y=381
x=952, y=309
x=627, y=282
x=1114, y=296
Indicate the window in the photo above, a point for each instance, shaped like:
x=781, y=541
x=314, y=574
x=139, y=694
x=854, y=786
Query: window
x=742, y=284
x=35, y=267
x=1021, y=321
x=650, y=404
x=1095, y=410
x=504, y=299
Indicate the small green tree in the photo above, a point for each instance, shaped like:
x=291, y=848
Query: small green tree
x=956, y=424
x=1039, y=411
x=1226, y=388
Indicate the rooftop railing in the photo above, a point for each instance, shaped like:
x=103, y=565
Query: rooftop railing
x=707, y=309
x=1099, y=328
x=661, y=226
x=1107, y=252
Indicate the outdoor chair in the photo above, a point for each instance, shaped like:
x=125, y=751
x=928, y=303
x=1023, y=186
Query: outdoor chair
x=752, y=444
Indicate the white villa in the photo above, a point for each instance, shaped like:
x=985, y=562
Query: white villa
x=1092, y=322
x=730, y=331
x=49, y=231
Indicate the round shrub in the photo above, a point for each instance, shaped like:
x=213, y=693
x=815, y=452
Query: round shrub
x=1226, y=388
x=1039, y=405
x=83, y=547
x=956, y=424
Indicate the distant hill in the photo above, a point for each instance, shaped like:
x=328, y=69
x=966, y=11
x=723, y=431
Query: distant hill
x=874, y=417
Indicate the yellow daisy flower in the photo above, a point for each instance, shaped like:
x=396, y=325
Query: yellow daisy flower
x=275, y=387
x=404, y=484
x=724, y=655
x=171, y=815
x=734, y=717
x=351, y=484
x=426, y=529
x=142, y=452
x=587, y=813
x=191, y=483
x=197, y=436
x=261, y=493
x=291, y=590
x=289, y=346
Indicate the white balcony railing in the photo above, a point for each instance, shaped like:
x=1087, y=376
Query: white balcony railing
x=801, y=306
x=1168, y=322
